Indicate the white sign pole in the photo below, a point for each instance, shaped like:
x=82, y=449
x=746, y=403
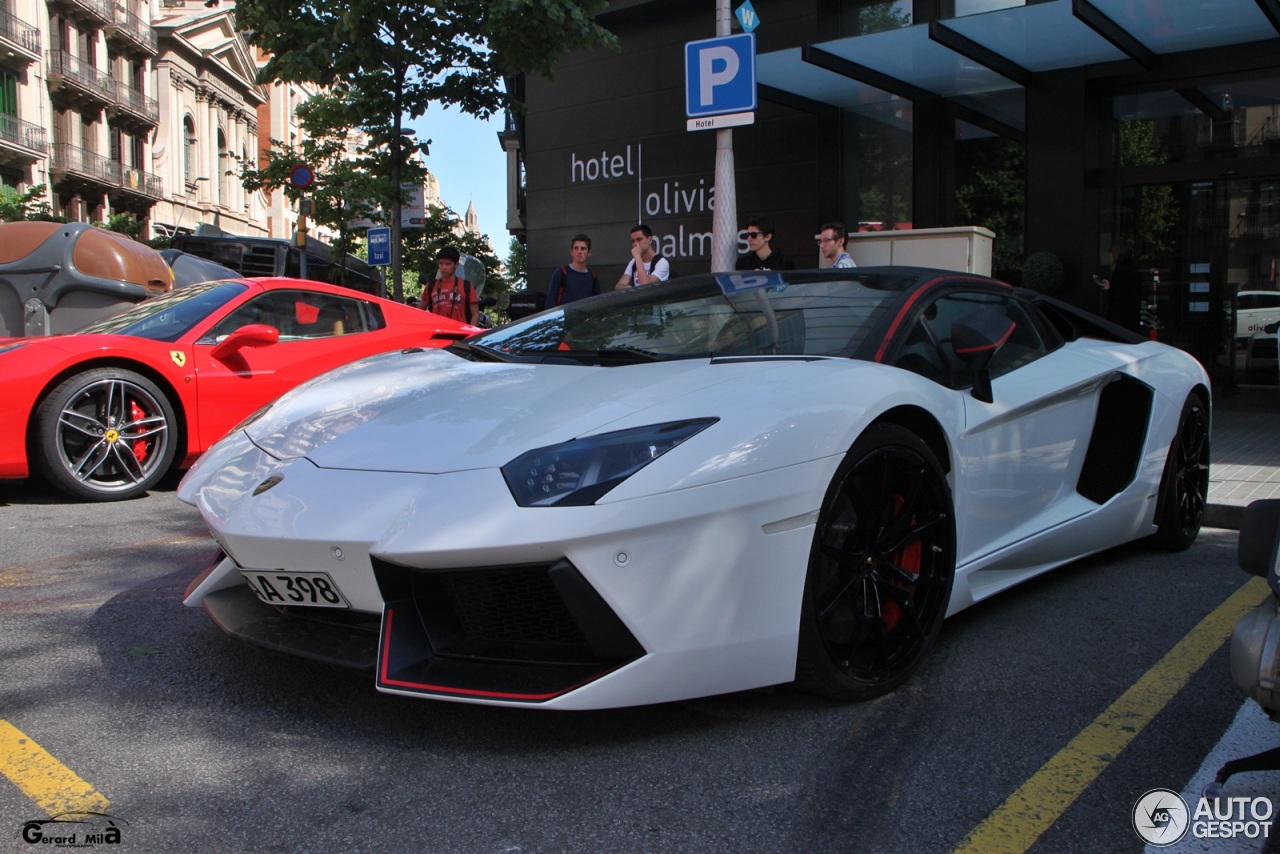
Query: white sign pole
x=724, y=224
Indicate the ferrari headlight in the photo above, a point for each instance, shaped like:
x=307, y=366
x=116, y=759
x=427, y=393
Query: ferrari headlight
x=578, y=472
x=17, y=346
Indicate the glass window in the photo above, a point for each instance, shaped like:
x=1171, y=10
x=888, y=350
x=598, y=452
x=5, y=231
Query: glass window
x=929, y=351
x=297, y=315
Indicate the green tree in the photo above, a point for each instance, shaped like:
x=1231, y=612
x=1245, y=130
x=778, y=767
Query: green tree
x=992, y=194
x=124, y=223
x=517, y=265
x=392, y=59
x=345, y=186
x=1157, y=217
x=17, y=206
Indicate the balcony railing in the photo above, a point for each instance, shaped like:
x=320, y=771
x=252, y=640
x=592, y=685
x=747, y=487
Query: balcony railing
x=128, y=25
x=85, y=76
x=14, y=130
x=73, y=160
x=136, y=102
x=19, y=33
x=78, y=161
x=98, y=9
x=142, y=183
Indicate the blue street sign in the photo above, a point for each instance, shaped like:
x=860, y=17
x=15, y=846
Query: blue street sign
x=720, y=75
x=380, y=247
x=747, y=17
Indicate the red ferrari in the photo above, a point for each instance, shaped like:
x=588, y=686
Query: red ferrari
x=104, y=412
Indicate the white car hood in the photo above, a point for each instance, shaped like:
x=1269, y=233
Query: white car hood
x=431, y=412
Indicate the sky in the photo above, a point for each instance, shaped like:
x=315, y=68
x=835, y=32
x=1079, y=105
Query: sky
x=469, y=162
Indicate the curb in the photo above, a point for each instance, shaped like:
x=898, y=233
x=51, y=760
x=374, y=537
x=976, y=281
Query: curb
x=1226, y=516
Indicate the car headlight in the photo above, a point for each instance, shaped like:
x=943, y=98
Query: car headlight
x=10, y=347
x=578, y=472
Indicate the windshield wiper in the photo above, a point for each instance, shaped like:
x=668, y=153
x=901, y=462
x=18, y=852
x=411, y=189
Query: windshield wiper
x=476, y=353
x=606, y=354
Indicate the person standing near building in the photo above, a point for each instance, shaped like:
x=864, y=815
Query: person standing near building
x=760, y=254
x=573, y=281
x=449, y=295
x=647, y=266
x=1124, y=288
x=831, y=240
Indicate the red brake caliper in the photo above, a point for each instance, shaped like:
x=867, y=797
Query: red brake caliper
x=908, y=558
x=140, y=446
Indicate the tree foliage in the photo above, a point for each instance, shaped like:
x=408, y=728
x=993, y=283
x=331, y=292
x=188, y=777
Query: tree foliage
x=346, y=186
x=394, y=58
x=17, y=206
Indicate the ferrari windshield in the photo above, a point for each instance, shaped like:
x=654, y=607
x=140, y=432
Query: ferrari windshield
x=169, y=316
x=744, y=314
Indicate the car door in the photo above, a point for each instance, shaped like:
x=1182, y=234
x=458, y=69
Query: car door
x=318, y=332
x=1018, y=458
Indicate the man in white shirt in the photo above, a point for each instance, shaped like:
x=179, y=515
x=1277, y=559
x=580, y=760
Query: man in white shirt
x=647, y=266
x=831, y=243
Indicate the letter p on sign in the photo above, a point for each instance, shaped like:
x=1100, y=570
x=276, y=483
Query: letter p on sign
x=720, y=75
x=718, y=65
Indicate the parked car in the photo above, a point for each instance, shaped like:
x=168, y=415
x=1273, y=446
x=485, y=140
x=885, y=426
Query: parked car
x=1254, y=311
x=104, y=412
x=708, y=485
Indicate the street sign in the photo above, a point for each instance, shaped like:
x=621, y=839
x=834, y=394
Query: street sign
x=747, y=17
x=380, y=247
x=301, y=176
x=720, y=76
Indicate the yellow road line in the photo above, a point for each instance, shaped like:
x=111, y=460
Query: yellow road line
x=1029, y=812
x=53, y=786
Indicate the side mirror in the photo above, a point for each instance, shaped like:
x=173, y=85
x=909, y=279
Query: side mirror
x=252, y=335
x=1258, y=549
x=975, y=339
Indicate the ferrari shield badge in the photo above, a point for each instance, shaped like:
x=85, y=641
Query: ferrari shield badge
x=179, y=357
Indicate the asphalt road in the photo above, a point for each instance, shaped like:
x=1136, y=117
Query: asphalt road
x=199, y=742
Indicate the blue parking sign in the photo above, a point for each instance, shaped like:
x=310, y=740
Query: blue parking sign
x=720, y=75
x=380, y=246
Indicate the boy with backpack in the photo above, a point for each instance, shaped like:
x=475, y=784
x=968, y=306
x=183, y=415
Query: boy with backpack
x=450, y=295
x=647, y=266
x=573, y=281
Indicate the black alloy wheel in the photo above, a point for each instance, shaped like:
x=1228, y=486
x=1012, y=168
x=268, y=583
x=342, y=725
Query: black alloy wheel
x=881, y=568
x=106, y=434
x=1184, y=488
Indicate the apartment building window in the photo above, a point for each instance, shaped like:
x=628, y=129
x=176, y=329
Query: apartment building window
x=224, y=171
x=8, y=94
x=188, y=151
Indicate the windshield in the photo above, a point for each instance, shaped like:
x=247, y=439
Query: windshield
x=170, y=316
x=747, y=314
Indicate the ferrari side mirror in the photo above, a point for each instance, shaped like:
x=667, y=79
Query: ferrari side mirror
x=975, y=339
x=252, y=335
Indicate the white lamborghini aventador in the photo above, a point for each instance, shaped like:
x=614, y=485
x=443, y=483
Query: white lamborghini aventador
x=709, y=485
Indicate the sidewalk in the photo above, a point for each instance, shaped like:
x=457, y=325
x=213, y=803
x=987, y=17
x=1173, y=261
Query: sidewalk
x=1245, y=452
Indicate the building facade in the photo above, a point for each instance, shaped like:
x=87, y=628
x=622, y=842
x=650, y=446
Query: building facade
x=1061, y=125
x=209, y=124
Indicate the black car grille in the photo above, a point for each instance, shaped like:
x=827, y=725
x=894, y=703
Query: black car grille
x=510, y=606
x=523, y=633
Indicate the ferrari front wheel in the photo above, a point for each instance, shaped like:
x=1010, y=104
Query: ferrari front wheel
x=106, y=434
x=1184, y=488
x=880, y=570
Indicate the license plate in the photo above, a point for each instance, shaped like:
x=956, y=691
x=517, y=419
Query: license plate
x=309, y=589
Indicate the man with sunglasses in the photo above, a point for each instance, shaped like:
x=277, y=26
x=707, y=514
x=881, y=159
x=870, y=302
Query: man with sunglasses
x=760, y=255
